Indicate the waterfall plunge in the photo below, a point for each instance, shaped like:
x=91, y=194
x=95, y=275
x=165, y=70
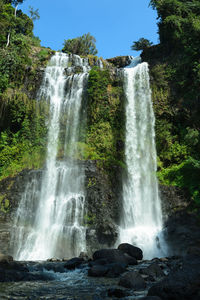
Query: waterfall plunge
x=49, y=221
x=142, y=216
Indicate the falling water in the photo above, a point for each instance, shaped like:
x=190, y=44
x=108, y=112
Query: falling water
x=142, y=216
x=50, y=217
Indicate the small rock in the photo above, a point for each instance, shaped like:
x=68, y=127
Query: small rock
x=111, y=255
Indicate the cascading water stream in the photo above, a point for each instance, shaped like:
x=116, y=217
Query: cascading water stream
x=50, y=217
x=141, y=222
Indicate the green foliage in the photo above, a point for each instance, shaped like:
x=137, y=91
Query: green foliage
x=22, y=142
x=43, y=54
x=82, y=45
x=141, y=44
x=184, y=175
x=34, y=13
x=105, y=134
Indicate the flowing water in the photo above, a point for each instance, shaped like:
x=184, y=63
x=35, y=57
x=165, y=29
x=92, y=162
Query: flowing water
x=50, y=217
x=142, y=216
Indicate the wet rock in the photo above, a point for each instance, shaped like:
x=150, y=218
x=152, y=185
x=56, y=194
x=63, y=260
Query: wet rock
x=132, y=280
x=97, y=271
x=131, y=250
x=109, y=270
x=84, y=256
x=118, y=293
x=73, y=263
x=153, y=270
x=130, y=260
x=101, y=261
x=115, y=269
x=151, y=298
x=50, y=266
x=182, y=283
x=54, y=259
x=111, y=255
x=5, y=258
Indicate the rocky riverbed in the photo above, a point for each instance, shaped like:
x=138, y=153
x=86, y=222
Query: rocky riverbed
x=109, y=274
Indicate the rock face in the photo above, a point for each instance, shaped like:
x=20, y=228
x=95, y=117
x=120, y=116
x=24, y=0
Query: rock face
x=102, y=206
x=182, y=284
x=11, y=190
x=120, y=61
x=181, y=227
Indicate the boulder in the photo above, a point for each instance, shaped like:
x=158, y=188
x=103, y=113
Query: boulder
x=118, y=293
x=153, y=270
x=100, y=261
x=97, y=271
x=182, y=283
x=109, y=270
x=73, y=263
x=111, y=255
x=130, y=260
x=131, y=250
x=132, y=280
x=115, y=269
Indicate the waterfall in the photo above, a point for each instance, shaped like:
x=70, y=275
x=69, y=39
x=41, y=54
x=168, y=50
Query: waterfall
x=50, y=217
x=141, y=222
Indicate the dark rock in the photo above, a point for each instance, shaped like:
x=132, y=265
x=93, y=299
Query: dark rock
x=111, y=255
x=73, y=263
x=109, y=270
x=131, y=250
x=17, y=271
x=130, y=260
x=193, y=250
x=101, y=262
x=50, y=266
x=120, y=61
x=152, y=270
x=115, y=269
x=132, y=280
x=97, y=271
x=118, y=293
x=103, y=207
x=151, y=298
x=84, y=256
x=182, y=283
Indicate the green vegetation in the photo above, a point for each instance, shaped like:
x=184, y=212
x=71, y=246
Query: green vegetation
x=141, y=44
x=22, y=140
x=105, y=128
x=22, y=119
x=82, y=45
x=175, y=81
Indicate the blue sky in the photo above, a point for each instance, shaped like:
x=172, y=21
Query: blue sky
x=114, y=23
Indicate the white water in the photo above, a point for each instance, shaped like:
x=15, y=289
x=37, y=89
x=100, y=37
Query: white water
x=142, y=216
x=50, y=217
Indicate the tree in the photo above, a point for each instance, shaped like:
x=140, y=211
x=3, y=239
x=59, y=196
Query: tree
x=82, y=45
x=141, y=44
x=34, y=13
